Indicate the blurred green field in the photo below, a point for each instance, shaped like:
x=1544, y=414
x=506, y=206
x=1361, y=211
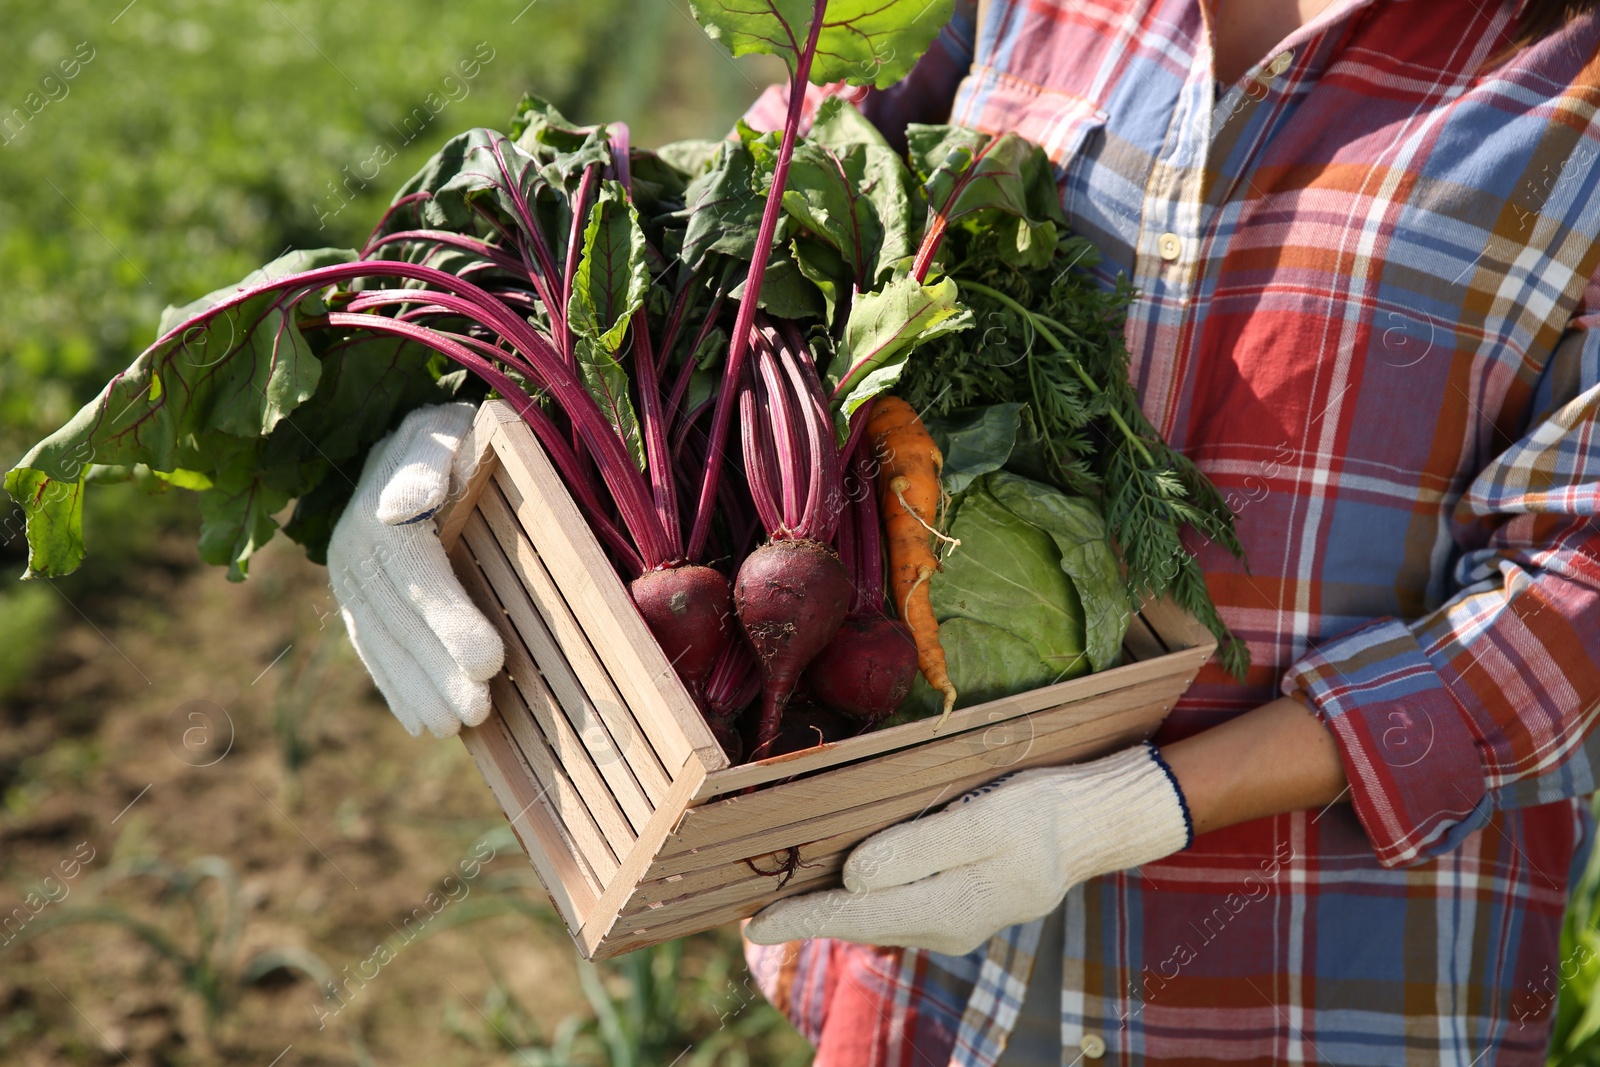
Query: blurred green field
x=150, y=153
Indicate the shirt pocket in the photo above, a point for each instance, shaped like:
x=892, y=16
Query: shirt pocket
x=1065, y=125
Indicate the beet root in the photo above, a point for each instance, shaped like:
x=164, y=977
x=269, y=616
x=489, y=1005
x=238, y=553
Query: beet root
x=791, y=595
x=867, y=669
x=689, y=609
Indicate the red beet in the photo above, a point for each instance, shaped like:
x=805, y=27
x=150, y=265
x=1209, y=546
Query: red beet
x=690, y=611
x=791, y=595
x=726, y=731
x=734, y=682
x=867, y=669
x=806, y=724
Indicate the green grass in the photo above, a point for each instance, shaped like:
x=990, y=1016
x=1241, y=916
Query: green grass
x=28, y=619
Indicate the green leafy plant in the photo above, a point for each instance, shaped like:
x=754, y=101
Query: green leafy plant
x=683, y=1003
x=1575, y=1038
x=201, y=942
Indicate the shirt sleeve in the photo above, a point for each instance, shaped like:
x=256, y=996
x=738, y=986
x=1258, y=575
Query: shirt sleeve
x=924, y=95
x=1490, y=701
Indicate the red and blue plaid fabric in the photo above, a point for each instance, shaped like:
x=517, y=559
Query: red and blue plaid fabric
x=1368, y=308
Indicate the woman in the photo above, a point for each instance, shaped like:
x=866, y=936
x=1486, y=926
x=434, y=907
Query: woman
x=1364, y=237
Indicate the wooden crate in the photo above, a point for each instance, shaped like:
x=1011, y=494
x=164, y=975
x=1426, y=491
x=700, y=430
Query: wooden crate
x=623, y=800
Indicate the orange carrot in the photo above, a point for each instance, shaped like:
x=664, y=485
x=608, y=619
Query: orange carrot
x=908, y=497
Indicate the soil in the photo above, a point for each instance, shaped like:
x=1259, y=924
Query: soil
x=201, y=718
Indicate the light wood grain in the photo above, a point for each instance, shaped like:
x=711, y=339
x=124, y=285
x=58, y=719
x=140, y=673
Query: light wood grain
x=1080, y=742
x=735, y=882
x=638, y=860
x=591, y=586
x=583, y=835
x=636, y=778
x=997, y=750
x=1177, y=629
x=1141, y=642
x=538, y=727
x=696, y=911
x=986, y=716
x=452, y=517
x=740, y=886
x=859, y=783
x=572, y=889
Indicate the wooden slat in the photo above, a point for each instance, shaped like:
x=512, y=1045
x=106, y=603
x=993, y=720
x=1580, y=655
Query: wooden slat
x=479, y=442
x=828, y=850
x=1178, y=629
x=584, y=837
x=648, y=682
x=1078, y=742
x=1173, y=668
x=742, y=887
x=734, y=881
x=1141, y=642
x=532, y=703
x=636, y=779
x=572, y=888
x=638, y=860
x=893, y=773
x=552, y=727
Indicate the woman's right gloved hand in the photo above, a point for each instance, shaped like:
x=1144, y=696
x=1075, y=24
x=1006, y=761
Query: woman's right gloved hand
x=428, y=647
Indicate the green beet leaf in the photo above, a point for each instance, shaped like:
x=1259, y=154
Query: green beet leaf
x=238, y=375
x=610, y=284
x=1007, y=572
x=53, y=510
x=862, y=42
x=825, y=196
x=236, y=512
x=722, y=207
x=612, y=277
x=823, y=267
x=965, y=172
x=884, y=328
x=882, y=178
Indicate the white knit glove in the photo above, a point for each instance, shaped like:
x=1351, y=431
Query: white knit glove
x=1002, y=854
x=428, y=648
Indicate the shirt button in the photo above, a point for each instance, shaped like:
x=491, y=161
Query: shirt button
x=1093, y=1046
x=1170, y=246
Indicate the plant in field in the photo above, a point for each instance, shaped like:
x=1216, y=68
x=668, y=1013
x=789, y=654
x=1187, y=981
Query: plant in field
x=1574, y=986
x=200, y=939
x=680, y=1003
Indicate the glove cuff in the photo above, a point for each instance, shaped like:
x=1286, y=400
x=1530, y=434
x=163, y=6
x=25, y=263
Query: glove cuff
x=1183, y=801
x=1133, y=803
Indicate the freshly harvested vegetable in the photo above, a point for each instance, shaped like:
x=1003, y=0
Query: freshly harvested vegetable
x=909, y=466
x=1053, y=344
x=688, y=608
x=1011, y=599
x=865, y=672
x=792, y=593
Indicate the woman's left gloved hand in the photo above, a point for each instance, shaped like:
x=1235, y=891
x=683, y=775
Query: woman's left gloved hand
x=1003, y=854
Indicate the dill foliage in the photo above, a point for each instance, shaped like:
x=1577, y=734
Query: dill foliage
x=1052, y=338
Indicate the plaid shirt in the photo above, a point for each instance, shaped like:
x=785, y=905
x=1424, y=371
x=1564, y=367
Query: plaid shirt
x=1369, y=310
